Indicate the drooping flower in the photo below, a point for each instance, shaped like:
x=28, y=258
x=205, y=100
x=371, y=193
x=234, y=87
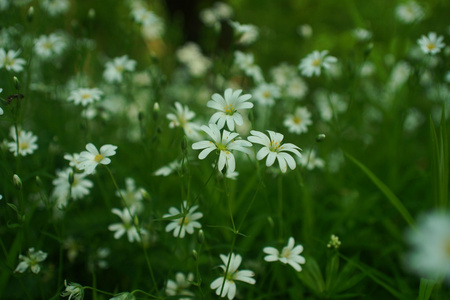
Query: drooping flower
x=299, y=121
x=85, y=96
x=431, y=44
x=225, y=285
x=127, y=226
x=115, y=68
x=228, y=107
x=31, y=261
x=181, y=118
x=10, y=60
x=225, y=142
x=273, y=149
x=313, y=63
x=27, y=142
x=74, y=290
x=180, y=286
x=430, y=243
x=89, y=159
x=289, y=255
x=186, y=223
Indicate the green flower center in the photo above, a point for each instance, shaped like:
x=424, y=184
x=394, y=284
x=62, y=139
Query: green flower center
x=316, y=62
x=229, y=109
x=275, y=146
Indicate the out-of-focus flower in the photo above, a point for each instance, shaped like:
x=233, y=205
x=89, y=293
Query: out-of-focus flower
x=310, y=161
x=181, y=118
x=191, y=56
x=334, y=242
x=117, y=67
x=245, y=34
x=186, y=223
x=55, y=7
x=299, y=121
x=168, y=169
x=409, y=12
x=431, y=44
x=132, y=195
x=362, y=34
x=245, y=62
x=27, y=142
x=305, y=31
x=329, y=104
x=228, y=107
x=31, y=261
x=227, y=281
x=85, y=96
x=289, y=255
x=10, y=60
x=74, y=290
x=126, y=226
x=180, y=286
x=64, y=189
x=430, y=243
x=50, y=46
x=266, y=93
x=313, y=63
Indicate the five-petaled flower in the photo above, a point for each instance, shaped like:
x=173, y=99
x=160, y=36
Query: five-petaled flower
x=31, y=261
x=274, y=149
x=225, y=285
x=314, y=62
x=89, y=159
x=289, y=255
x=225, y=142
x=185, y=223
x=228, y=106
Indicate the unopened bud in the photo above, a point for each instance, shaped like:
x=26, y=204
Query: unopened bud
x=71, y=178
x=16, y=83
x=194, y=254
x=38, y=181
x=270, y=220
x=145, y=194
x=30, y=14
x=201, y=236
x=155, y=111
x=91, y=13
x=17, y=182
x=320, y=137
x=136, y=221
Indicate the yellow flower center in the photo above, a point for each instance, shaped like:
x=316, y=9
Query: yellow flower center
x=119, y=68
x=23, y=145
x=85, y=96
x=221, y=147
x=266, y=94
x=274, y=145
x=316, y=62
x=183, y=221
x=98, y=158
x=297, y=120
x=229, y=109
x=431, y=46
x=47, y=45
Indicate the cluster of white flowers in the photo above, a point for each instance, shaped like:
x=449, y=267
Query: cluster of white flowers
x=219, y=12
x=152, y=25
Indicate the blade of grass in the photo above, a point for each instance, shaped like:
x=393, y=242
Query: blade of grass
x=426, y=288
x=443, y=161
x=386, y=191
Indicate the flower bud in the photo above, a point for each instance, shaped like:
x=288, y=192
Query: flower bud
x=91, y=13
x=30, y=14
x=17, y=182
x=201, y=236
x=320, y=137
x=155, y=111
x=145, y=194
x=16, y=83
x=194, y=254
x=38, y=181
x=71, y=178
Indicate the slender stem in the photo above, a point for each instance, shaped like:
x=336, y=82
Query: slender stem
x=280, y=204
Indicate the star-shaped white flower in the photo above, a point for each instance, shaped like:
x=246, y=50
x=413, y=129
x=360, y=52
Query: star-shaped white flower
x=431, y=44
x=89, y=160
x=85, y=96
x=228, y=106
x=225, y=142
x=274, y=149
x=232, y=275
x=183, y=224
x=126, y=226
x=289, y=255
x=314, y=62
x=31, y=261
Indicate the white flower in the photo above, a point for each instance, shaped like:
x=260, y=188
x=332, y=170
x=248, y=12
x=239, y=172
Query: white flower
x=266, y=93
x=431, y=44
x=362, y=34
x=329, y=104
x=10, y=61
x=245, y=62
x=289, y=255
x=225, y=285
x=430, y=243
x=314, y=62
x=115, y=69
x=409, y=12
x=55, y=7
x=299, y=121
x=305, y=31
x=311, y=161
x=78, y=190
x=85, y=96
x=225, y=143
x=74, y=290
x=273, y=149
x=227, y=107
x=49, y=46
x=132, y=195
x=186, y=223
x=169, y=169
x=73, y=159
x=127, y=226
x=89, y=160
x=246, y=34
x=27, y=142
x=181, y=118
x=31, y=261
x=191, y=56
x=180, y=286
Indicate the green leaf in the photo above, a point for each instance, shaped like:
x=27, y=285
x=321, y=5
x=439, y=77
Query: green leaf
x=13, y=207
x=386, y=191
x=312, y=276
x=426, y=288
x=331, y=271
